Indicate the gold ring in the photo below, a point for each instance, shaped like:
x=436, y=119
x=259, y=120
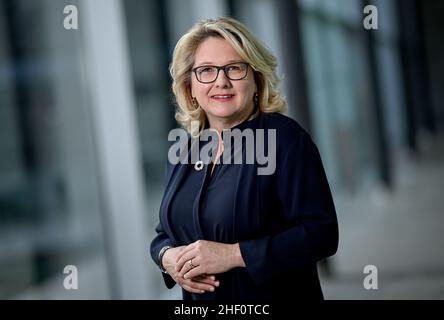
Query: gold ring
x=190, y=262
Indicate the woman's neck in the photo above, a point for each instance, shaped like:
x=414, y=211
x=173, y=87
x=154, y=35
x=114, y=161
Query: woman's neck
x=221, y=124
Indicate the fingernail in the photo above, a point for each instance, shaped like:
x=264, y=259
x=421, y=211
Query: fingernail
x=217, y=283
x=211, y=289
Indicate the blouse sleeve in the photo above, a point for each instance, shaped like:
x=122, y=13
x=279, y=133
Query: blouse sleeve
x=161, y=240
x=312, y=232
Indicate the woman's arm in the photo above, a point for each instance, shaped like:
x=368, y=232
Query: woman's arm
x=312, y=232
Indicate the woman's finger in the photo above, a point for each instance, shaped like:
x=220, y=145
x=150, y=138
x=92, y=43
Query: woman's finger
x=208, y=280
x=188, y=265
x=206, y=277
x=200, y=285
x=184, y=251
x=184, y=260
x=191, y=289
x=194, y=272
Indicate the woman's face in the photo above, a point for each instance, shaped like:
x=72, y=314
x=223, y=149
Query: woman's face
x=224, y=100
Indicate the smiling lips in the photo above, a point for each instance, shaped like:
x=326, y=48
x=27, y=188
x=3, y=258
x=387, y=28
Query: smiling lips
x=223, y=97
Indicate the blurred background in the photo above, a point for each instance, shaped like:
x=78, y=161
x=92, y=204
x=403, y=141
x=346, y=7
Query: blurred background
x=85, y=114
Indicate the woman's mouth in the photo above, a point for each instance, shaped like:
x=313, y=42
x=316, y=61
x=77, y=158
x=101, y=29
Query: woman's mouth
x=222, y=97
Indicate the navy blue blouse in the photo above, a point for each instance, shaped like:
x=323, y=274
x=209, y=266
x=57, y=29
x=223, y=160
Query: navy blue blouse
x=284, y=222
x=182, y=206
x=216, y=204
x=216, y=207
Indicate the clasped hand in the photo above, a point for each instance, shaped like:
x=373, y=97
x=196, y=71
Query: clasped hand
x=206, y=257
x=195, y=266
x=198, y=284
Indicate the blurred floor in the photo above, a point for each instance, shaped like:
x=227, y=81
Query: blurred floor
x=400, y=232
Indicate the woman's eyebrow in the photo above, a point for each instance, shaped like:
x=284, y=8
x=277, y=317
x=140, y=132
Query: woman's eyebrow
x=212, y=63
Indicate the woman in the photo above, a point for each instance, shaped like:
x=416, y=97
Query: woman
x=225, y=231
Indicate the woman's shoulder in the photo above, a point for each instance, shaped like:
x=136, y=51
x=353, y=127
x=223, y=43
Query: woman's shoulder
x=285, y=126
x=291, y=138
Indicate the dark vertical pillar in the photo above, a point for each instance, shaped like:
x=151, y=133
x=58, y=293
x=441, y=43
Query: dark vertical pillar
x=433, y=31
x=404, y=49
x=291, y=41
x=21, y=86
x=419, y=108
x=383, y=157
x=21, y=79
x=231, y=9
x=429, y=118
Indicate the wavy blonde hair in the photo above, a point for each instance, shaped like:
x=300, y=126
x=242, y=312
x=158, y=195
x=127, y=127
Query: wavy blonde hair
x=260, y=58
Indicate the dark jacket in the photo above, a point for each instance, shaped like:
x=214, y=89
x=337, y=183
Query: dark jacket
x=284, y=222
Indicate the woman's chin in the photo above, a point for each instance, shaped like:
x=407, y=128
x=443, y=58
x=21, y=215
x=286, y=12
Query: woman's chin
x=223, y=112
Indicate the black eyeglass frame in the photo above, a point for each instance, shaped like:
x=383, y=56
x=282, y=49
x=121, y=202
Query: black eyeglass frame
x=224, y=68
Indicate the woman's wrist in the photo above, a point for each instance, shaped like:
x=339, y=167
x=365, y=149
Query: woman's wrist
x=237, y=256
x=161, y=255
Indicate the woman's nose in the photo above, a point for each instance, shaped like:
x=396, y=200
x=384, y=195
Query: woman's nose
x=222, y=80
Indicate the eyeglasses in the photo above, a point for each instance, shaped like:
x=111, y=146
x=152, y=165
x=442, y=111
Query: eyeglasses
x=233, y=71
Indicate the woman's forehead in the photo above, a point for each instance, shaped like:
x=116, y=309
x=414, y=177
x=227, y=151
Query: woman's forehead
x=216, y=51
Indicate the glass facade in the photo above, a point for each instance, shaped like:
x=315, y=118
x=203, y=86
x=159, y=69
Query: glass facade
x=50, y=203
x=82, y=110
x=148, y=32
x=338, y=90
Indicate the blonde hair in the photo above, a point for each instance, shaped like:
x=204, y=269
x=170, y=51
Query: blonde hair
x=260, y=58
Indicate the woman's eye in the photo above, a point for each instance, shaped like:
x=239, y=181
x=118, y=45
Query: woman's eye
x=207, y=70
x=233, y=68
